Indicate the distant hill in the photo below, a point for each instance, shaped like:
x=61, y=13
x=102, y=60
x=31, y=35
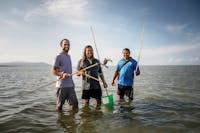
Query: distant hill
x=14, y=64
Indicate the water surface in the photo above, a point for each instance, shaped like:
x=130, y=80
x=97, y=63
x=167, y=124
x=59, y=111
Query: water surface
x=167, y=99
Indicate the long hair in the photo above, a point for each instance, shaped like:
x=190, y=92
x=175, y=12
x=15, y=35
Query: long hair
x=84, y=57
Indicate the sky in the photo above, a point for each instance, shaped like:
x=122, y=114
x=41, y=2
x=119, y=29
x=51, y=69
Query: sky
x=167, y=32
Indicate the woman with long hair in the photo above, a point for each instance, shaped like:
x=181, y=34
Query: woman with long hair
x=91, y=88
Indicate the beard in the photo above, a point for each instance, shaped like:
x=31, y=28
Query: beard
x=66, y=49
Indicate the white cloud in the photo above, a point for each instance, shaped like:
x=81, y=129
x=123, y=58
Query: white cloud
x=181, y=60
x=170, y=50
x=175, y=60
x=11, y=23
x=194, y=59
x=176, y=28
x=27, y=55
x=66, y=9
x=160, y=56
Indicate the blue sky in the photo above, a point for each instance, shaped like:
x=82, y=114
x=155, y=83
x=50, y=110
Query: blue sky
x=31, y=30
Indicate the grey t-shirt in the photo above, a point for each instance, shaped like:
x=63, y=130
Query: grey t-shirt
x=63, y=64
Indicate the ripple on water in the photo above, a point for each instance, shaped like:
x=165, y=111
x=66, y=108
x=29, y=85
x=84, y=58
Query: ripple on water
x=164, y=102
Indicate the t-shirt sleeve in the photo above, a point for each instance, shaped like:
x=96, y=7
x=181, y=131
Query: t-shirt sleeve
x=56, y=61
x=117, y=67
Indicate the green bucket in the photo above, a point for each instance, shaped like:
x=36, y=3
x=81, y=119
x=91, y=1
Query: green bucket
x=108, y=100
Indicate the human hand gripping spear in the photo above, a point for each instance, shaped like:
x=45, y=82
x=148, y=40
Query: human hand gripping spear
x=52, y=82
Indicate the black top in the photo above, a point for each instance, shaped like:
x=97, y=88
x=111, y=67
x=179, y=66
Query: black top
x=88, y=83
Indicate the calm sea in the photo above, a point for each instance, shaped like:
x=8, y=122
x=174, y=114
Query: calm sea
x=167, y=100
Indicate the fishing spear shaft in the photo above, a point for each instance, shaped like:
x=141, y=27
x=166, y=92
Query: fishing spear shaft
x=50, y=83
x=139, y=54
x=93, y=36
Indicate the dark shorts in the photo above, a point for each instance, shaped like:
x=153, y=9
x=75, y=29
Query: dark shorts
x=125, y=90
x=68, y=94
x=92, y=93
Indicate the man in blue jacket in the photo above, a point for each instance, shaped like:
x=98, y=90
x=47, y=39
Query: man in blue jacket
x=126, y=68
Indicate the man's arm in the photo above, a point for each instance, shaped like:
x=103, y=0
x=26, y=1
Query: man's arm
x=103, y=80
x=102, y=77
x=54, y=71
x=114, y=77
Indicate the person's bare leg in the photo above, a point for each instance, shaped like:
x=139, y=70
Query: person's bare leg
x=121, y=98
x=86, y=102
x=130, y=99
x=98, y=103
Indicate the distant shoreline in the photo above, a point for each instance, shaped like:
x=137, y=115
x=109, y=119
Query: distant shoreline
x=17, y=64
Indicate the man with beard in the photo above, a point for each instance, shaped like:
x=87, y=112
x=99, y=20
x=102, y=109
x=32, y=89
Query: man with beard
x=62, y=68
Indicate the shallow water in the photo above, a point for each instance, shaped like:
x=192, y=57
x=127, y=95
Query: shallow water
x=167, y=99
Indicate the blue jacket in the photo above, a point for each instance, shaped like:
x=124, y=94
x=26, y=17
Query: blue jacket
x=126, y=73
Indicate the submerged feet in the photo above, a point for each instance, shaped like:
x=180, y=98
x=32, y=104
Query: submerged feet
x=72, y=108
x=98, y=107
x=58, y=108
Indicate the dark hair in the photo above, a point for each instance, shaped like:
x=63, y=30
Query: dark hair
x=84, y=53
x=127, y=49
x=63, y=40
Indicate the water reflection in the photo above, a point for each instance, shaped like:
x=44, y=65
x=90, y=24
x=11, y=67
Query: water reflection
x=85, y=121
x=67, y=122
